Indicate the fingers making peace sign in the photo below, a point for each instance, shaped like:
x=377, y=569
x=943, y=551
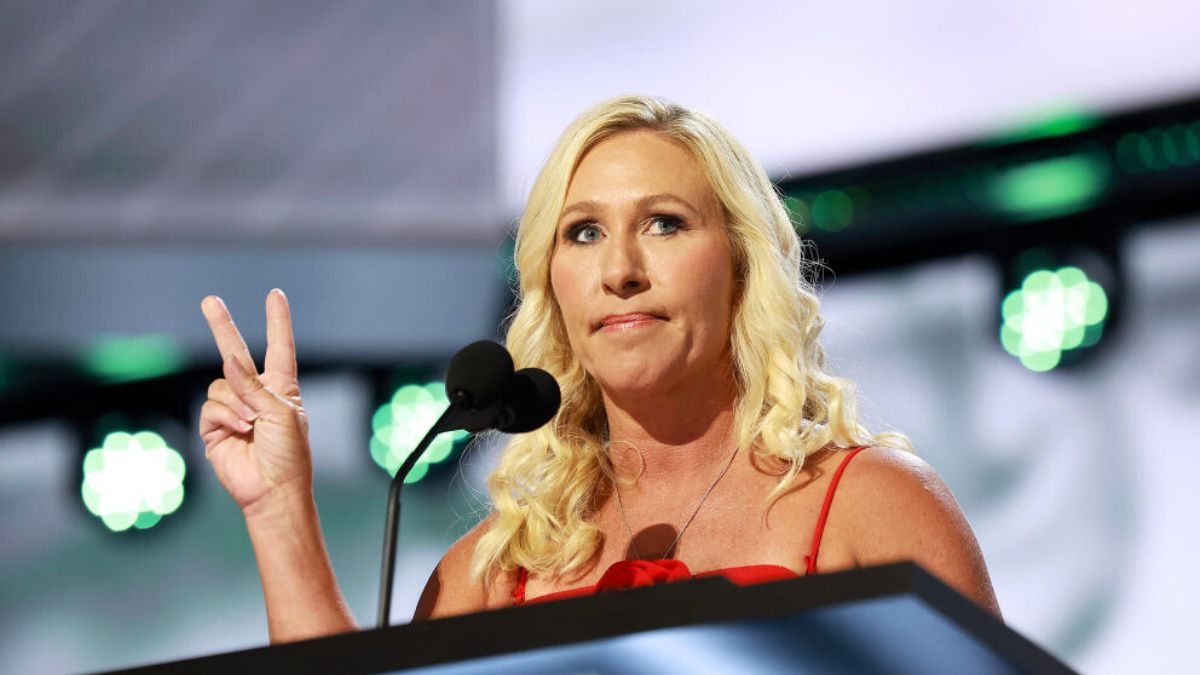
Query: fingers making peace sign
x=254, y=427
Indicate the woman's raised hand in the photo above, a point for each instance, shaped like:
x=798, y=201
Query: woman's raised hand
x=254, y=428
x=256, y=437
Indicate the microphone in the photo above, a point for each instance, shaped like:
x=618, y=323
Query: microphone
x=531, y=399
x=478, y=374
x=484, y=393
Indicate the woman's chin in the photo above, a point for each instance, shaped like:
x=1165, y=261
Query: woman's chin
x=635, y=383
x=631, y=375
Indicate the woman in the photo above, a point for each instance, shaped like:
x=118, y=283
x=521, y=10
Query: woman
x=662, y=285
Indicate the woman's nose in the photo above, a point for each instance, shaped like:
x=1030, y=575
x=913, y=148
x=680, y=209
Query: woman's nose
x=623, y=272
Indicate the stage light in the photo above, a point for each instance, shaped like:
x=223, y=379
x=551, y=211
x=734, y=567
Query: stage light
x=1063, y=121
x=115, y=359
x=1049, y=187
x=1134, y=154
x=1158, y=149
x=398, y=425
x=1185, y=144
x=132, y=480
x=1171, y=153
x=832, y=211
x=1053, y=312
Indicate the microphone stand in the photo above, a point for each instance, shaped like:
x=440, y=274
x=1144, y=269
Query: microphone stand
x=535, y=398
x=392, y=526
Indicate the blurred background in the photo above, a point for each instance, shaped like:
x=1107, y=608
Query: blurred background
x=1006, y=194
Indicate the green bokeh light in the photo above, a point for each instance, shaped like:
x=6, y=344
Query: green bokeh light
x=399, y=425
x=1147, y=153
x=128, y=358
x=1051, y=313
x=132, y=480
x=1185, y=146
x=1158, y=149
x=1049, y=187
x=832, y=211
x=1062, y=121
x=1130, y=153
x=1171, y=152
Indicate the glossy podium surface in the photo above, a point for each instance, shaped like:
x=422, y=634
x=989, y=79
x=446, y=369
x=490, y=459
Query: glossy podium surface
x=889, y=619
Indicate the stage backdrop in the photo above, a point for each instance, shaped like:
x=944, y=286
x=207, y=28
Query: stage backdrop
x=370, y=158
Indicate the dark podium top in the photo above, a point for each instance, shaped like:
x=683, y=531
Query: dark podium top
x=889, y=619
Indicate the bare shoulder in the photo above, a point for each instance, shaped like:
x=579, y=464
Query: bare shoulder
x=896, y=507
x=451, y=589
x=880, y=476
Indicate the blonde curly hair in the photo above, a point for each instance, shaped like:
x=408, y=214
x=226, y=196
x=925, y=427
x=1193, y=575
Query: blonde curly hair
x=544, y=490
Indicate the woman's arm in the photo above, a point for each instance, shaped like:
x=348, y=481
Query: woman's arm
x=301, y=594
x=897, y=508
x=255, y=435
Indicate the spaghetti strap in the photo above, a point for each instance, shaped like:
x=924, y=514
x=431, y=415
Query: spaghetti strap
x=811, y=558
x=518, y=594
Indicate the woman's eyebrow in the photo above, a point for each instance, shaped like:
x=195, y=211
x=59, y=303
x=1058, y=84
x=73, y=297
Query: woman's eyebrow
x=591, y=205
x=582, y=205
x=668, y=197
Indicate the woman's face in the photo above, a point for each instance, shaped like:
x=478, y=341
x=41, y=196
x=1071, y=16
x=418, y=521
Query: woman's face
x=642, y=267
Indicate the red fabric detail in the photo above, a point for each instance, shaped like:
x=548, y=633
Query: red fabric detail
x=748, y=575
x=633, y=573
x=810, y=560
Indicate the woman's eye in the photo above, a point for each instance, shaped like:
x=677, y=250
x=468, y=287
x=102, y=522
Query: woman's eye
x=583, y=233
x=664, y=224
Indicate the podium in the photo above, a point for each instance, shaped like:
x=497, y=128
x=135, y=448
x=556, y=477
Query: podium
x=890, y=619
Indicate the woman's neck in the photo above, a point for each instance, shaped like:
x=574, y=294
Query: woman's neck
x=672, y=437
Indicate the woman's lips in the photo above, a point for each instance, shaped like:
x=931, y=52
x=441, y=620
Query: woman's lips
x=623, y=322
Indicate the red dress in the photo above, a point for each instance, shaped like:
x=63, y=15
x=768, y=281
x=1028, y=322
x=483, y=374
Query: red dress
x=633, y=573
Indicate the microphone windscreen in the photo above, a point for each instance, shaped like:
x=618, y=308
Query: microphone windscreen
x=479, y=373
x=533, y=398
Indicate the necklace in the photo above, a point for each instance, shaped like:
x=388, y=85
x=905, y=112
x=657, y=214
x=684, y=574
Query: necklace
x=625, y=521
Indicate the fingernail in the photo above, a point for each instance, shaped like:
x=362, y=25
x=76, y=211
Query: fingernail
x=279, y=291
x=247, y=413
x=245, y=426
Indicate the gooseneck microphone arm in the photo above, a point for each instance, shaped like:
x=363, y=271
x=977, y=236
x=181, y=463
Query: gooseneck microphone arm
x=484, y=393
x=392, y=525
x=477, y=377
